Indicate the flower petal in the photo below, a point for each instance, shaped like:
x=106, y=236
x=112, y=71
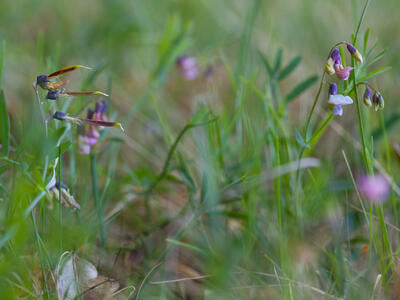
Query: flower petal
x=340, y=100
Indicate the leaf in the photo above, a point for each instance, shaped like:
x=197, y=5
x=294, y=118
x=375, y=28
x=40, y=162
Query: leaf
x=301, y=87
x=266, y=64
x=278, y=60
x=375, y=73
x=366, y=36
x=300, y=140
x=4, y=125
x=375, y=59
x=289, y=68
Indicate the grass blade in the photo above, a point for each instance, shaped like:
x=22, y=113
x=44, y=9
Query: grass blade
x=301, y=87
x=4, y=125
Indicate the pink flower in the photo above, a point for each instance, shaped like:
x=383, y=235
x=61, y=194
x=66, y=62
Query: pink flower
x=188, y=67
x=343, y=73
x=375, y=187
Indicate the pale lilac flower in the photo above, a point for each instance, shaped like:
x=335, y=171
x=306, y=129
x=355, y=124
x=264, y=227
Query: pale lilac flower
x=354, y=52
x=338, y=101
x=188, y=67
x=343, y=73
x=375, y=187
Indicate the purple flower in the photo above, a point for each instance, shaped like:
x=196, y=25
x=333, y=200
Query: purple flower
x=354, y=52
x=343, y=73
x=338, y=101
x=367, y=97
x=188, y=67
x=375, y=187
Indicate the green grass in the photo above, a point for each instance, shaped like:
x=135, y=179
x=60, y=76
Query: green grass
x=240, y=184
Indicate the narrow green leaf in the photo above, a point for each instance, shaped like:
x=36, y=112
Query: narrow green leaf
x=366, y=36
x=289, y=68
x=4, y=125
x=375, y=59
x=300, y=140
x=278, y=60
x=301, y=87
x=266, y=64
x=375, y=73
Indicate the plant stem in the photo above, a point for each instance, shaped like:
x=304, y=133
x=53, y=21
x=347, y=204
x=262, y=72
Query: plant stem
x=59, y=194
x=97, y=201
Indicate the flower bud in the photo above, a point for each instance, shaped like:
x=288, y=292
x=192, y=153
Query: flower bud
x=59, y=115
x=381, y=102
x=375, y=101
x=354, y=52
x=332, y=89
x=367, y=97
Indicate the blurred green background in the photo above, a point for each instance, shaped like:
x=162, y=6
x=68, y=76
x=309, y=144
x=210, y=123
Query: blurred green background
x=133, y=46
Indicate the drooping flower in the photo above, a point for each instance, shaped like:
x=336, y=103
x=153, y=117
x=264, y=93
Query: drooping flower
x=354, y=52
x=329, y=68
x=188, y=67
x=338, y=101
x=62, y=93
x=343, y=73
x=67, y=199
x=367, y=97
x=378, y=101
x=375, y=187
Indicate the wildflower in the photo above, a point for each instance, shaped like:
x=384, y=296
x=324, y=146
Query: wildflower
x=343, y=73
x=354, y=52
x=378, y=101
x=62, y=116
x=90, y=138
x=367, y=97
x=375, y=187
x=44, y=80
x=188, y=67
x=329, y=69
x=338, y=101
x=67, y=199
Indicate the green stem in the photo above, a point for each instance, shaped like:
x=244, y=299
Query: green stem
x=59, y=195
x=97, y=201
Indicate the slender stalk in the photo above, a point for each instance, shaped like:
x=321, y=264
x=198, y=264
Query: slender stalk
x=59, y=196
x=97, y=201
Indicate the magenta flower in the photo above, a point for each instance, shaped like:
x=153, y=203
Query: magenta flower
x=375, y=187
x=343, y=73
x=188, y=67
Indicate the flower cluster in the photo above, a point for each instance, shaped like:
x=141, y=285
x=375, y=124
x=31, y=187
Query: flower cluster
x=90, y=137
x=334, y=64
x=377, y=99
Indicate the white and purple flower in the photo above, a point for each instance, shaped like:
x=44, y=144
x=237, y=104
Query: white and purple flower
x=338, y=100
